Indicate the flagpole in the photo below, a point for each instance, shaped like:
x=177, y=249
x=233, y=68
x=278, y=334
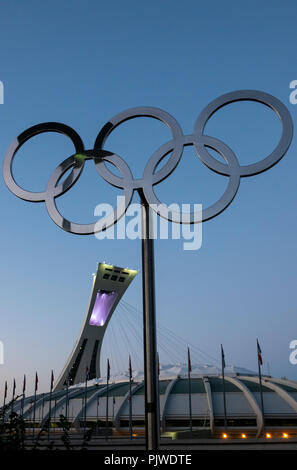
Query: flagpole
x=107, y=383
x=85, y=407
x=23, y=397
x=54, y=417
x=130, y=398
x=97, y=412
x=259, y=354
x=67, y=396
x=224, y=388
x=42, y=407
x=190, y=394
x=5, y=393
x=13, y=395
x=34, y=406
x=50, y=405
x=4, y=401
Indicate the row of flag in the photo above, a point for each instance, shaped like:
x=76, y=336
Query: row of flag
x=87, y=377
x=24, y=385
x=259, y=353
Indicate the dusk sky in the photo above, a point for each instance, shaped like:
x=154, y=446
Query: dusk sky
x=82, y=62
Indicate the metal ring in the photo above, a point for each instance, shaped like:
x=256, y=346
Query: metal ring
x=214, y=209
x=17, y=144
x=105, y=222
x=246, y=95
x=151, y=177
x=145, y=111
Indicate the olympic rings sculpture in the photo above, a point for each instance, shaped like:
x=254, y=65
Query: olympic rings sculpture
x=231, y=168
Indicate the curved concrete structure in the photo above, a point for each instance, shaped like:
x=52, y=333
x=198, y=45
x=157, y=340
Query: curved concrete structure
x=242, y=400
x=109, y=285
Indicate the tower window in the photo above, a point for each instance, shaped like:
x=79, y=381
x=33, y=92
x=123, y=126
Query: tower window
x=103, y=305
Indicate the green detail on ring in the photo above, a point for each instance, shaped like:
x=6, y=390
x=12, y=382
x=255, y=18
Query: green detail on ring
x=80, y=156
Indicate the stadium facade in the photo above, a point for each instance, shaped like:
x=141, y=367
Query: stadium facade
x=85, y=407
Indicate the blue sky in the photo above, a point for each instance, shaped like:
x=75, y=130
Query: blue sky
x=82, y=62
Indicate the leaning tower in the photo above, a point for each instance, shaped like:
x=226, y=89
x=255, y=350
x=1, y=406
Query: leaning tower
x=109, y=285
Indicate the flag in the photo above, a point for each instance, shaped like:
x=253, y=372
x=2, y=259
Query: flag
x=189, y=362
x=52, y=381
x=24, y=384
x=108, y=370
x=5, y=389
x=259, y=353
x=223, y=357
x=130, y=368
x=36, y=381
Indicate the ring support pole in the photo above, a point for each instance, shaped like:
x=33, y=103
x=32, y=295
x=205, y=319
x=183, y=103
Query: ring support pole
x=152, y=415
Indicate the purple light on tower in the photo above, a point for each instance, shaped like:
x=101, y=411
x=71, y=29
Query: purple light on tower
x=102, y=307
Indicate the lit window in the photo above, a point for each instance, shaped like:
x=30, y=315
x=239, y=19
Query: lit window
x=103, y=305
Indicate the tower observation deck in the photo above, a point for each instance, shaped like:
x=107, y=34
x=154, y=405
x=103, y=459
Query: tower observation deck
x=109, y=285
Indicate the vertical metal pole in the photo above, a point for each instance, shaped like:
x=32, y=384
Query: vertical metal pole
x=107, y=414
x=261, y=394
x=224, y=398
x=54, y=416
x=13, y=395
x=149, y=331
x=3, y=416
x=190, y=404
x=259, y=356
x=224, y=388
x=34, y=411
x=67, y=396
x=49, y=415
x=42, y=408
x=22, y=404
x=97, y=411
x=130, y=408
x=4, y=401
x=85, y=401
